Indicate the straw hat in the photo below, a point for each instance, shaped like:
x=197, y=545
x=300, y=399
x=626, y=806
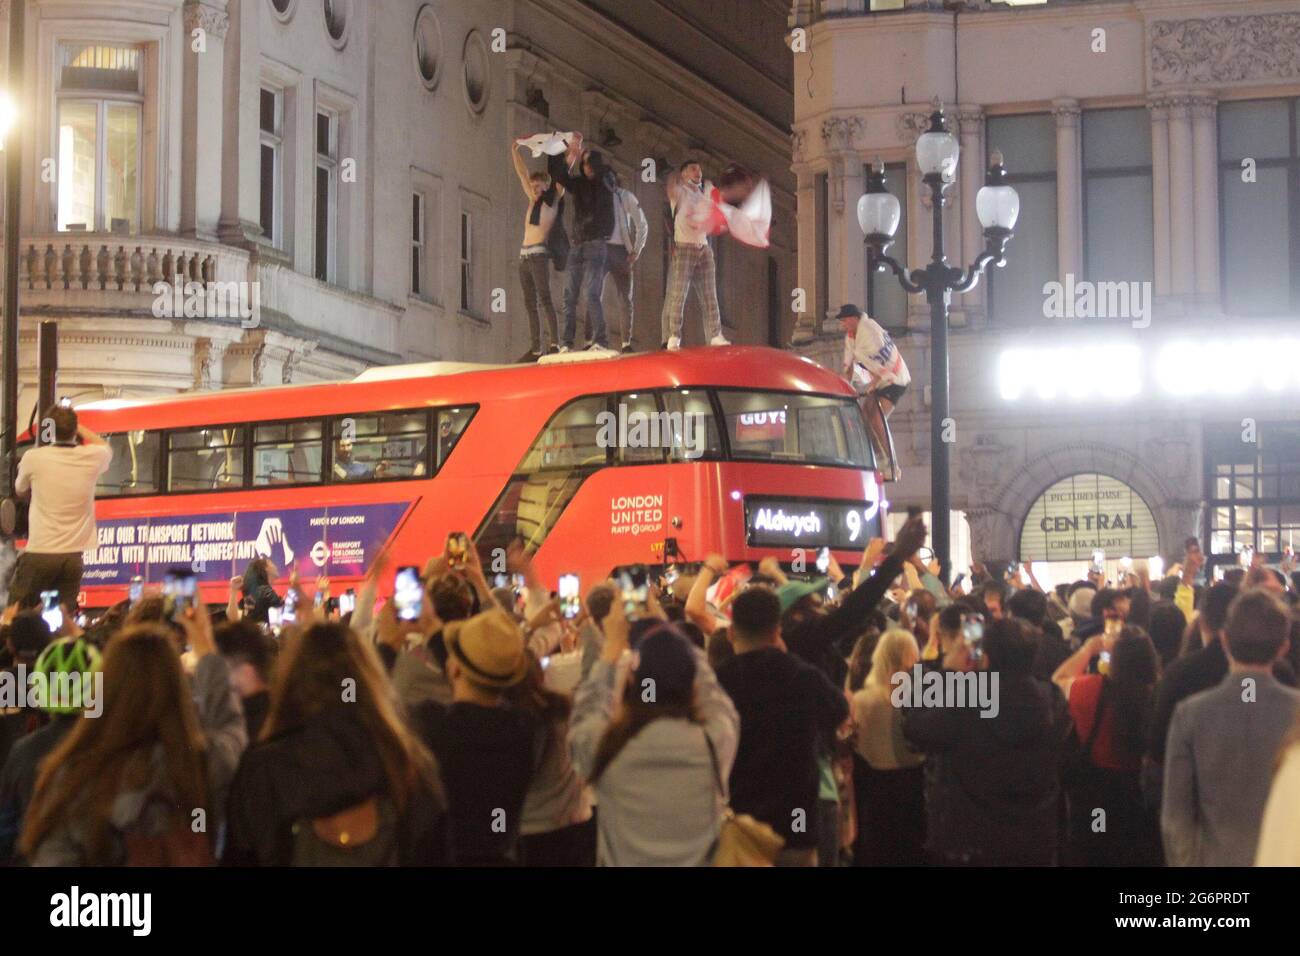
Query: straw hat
x=490, y=647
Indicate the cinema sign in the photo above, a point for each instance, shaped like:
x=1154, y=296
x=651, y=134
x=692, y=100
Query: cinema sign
x=1083, y=513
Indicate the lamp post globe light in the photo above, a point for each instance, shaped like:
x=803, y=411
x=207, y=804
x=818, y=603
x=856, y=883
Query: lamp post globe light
x=998, y=207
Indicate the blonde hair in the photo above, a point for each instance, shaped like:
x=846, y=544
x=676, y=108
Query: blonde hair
x=896, y=651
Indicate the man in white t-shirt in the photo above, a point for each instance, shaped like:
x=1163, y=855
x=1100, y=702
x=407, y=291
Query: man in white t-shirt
x=61, y=479
x=874, y=366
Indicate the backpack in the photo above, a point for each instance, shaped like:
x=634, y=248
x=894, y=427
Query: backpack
x=173, y=843
x=315, y=845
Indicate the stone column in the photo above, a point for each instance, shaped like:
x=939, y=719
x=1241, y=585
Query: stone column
x=1159, y=109
x=845, y=181
x=970, y=121
x=808, y=323
x=1205, y=162
x=240, y=170
x=201, y=128
x=1182, y=219
x=1069, y=189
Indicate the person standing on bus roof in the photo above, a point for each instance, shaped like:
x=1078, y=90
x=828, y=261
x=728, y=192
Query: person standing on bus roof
x=874, y=366
x=625, y=245
x=544, y=208
x=692, y=257
x=61, y=479
x=584, y=174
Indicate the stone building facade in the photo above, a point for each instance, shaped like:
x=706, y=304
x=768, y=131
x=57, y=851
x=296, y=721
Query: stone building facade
x=1154, y=146
x=340, y=168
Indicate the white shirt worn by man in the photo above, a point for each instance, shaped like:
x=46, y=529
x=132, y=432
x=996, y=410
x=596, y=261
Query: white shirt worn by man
x=62, y=481
x=873, y=349
x=691, y=212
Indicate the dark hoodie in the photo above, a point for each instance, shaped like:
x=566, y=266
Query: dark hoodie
x=18, y=778
x=593, y=199
x=487, y=757
x=319, y=770
x=786, y=708
x=992, y=783
x=258, y=594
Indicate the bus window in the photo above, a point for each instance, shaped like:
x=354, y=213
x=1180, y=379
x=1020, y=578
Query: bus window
x=287, y=454
x=205, y=459
x=571, y=440
x=134, y=468
x=793, y=428
x=693, y=404
x=451, y=425
x=647, y=433
x=379, y=447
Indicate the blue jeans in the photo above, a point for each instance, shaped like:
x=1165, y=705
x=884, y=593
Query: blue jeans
x=586, y=276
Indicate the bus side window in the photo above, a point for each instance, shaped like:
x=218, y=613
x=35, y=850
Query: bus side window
x=287, y=454
x=699, y=427
x=451, y=425
x=571, y=439
x=134, y=468
x=379, y=447
x=204, y=459
x=649, y=433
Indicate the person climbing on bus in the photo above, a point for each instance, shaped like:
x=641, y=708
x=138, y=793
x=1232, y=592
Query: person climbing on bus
x=874, y=366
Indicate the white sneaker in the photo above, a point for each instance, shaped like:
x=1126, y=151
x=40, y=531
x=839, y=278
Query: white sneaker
x=674, y=344
x=563, y=349
x=718, y=340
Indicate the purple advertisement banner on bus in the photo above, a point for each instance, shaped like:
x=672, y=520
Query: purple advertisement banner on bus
x=338, y=540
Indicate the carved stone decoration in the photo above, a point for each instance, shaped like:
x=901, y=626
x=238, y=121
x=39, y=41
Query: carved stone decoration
x=798, y=140
x=213, y=22
x=203, y=363
x=911, y=125
x=258, y=363
x=1228, y=49
x=839, y=132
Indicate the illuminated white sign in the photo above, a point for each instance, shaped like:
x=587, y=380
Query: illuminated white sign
x=1084, y=513
x=1120, y=372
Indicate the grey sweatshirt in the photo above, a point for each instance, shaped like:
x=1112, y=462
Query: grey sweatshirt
x=659, y=802
x=221, y=716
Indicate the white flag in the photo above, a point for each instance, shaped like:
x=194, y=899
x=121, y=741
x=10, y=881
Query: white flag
x=552, y=144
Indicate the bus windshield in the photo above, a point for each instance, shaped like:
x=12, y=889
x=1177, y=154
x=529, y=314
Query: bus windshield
x=795, y=427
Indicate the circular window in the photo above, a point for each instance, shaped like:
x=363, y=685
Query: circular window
x=283, y=9
x=337, y=16
x=428, y=47
x=476, y=71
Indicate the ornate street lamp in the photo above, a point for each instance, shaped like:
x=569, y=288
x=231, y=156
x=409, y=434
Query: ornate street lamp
x=998, y=207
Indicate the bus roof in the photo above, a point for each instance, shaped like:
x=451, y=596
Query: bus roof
x=460, y=383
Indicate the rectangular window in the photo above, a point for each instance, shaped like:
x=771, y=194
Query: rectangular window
x=1118, y=222
x=783, y=427
x=380, y=447
x=1253, y=490
x=1029, y=142
x=134, y=468
x=98, y=141
x=694, y=403
x=1259, y=216
x=417, y=244
x=272, y=146
x=887, y=302
x=466, y=262
x=326, y=194
x=287, y=454
x=205, y=459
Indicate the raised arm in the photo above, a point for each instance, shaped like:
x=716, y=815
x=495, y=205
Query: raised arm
x=89, y=437
x=521, y=170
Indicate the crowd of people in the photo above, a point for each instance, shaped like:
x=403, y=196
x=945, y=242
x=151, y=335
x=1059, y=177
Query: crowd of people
x=489, y=723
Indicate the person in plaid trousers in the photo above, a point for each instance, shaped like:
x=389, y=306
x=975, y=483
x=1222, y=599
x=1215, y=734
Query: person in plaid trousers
x=692, y=258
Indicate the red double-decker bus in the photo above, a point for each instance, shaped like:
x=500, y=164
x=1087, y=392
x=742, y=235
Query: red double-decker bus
x=597, y=463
